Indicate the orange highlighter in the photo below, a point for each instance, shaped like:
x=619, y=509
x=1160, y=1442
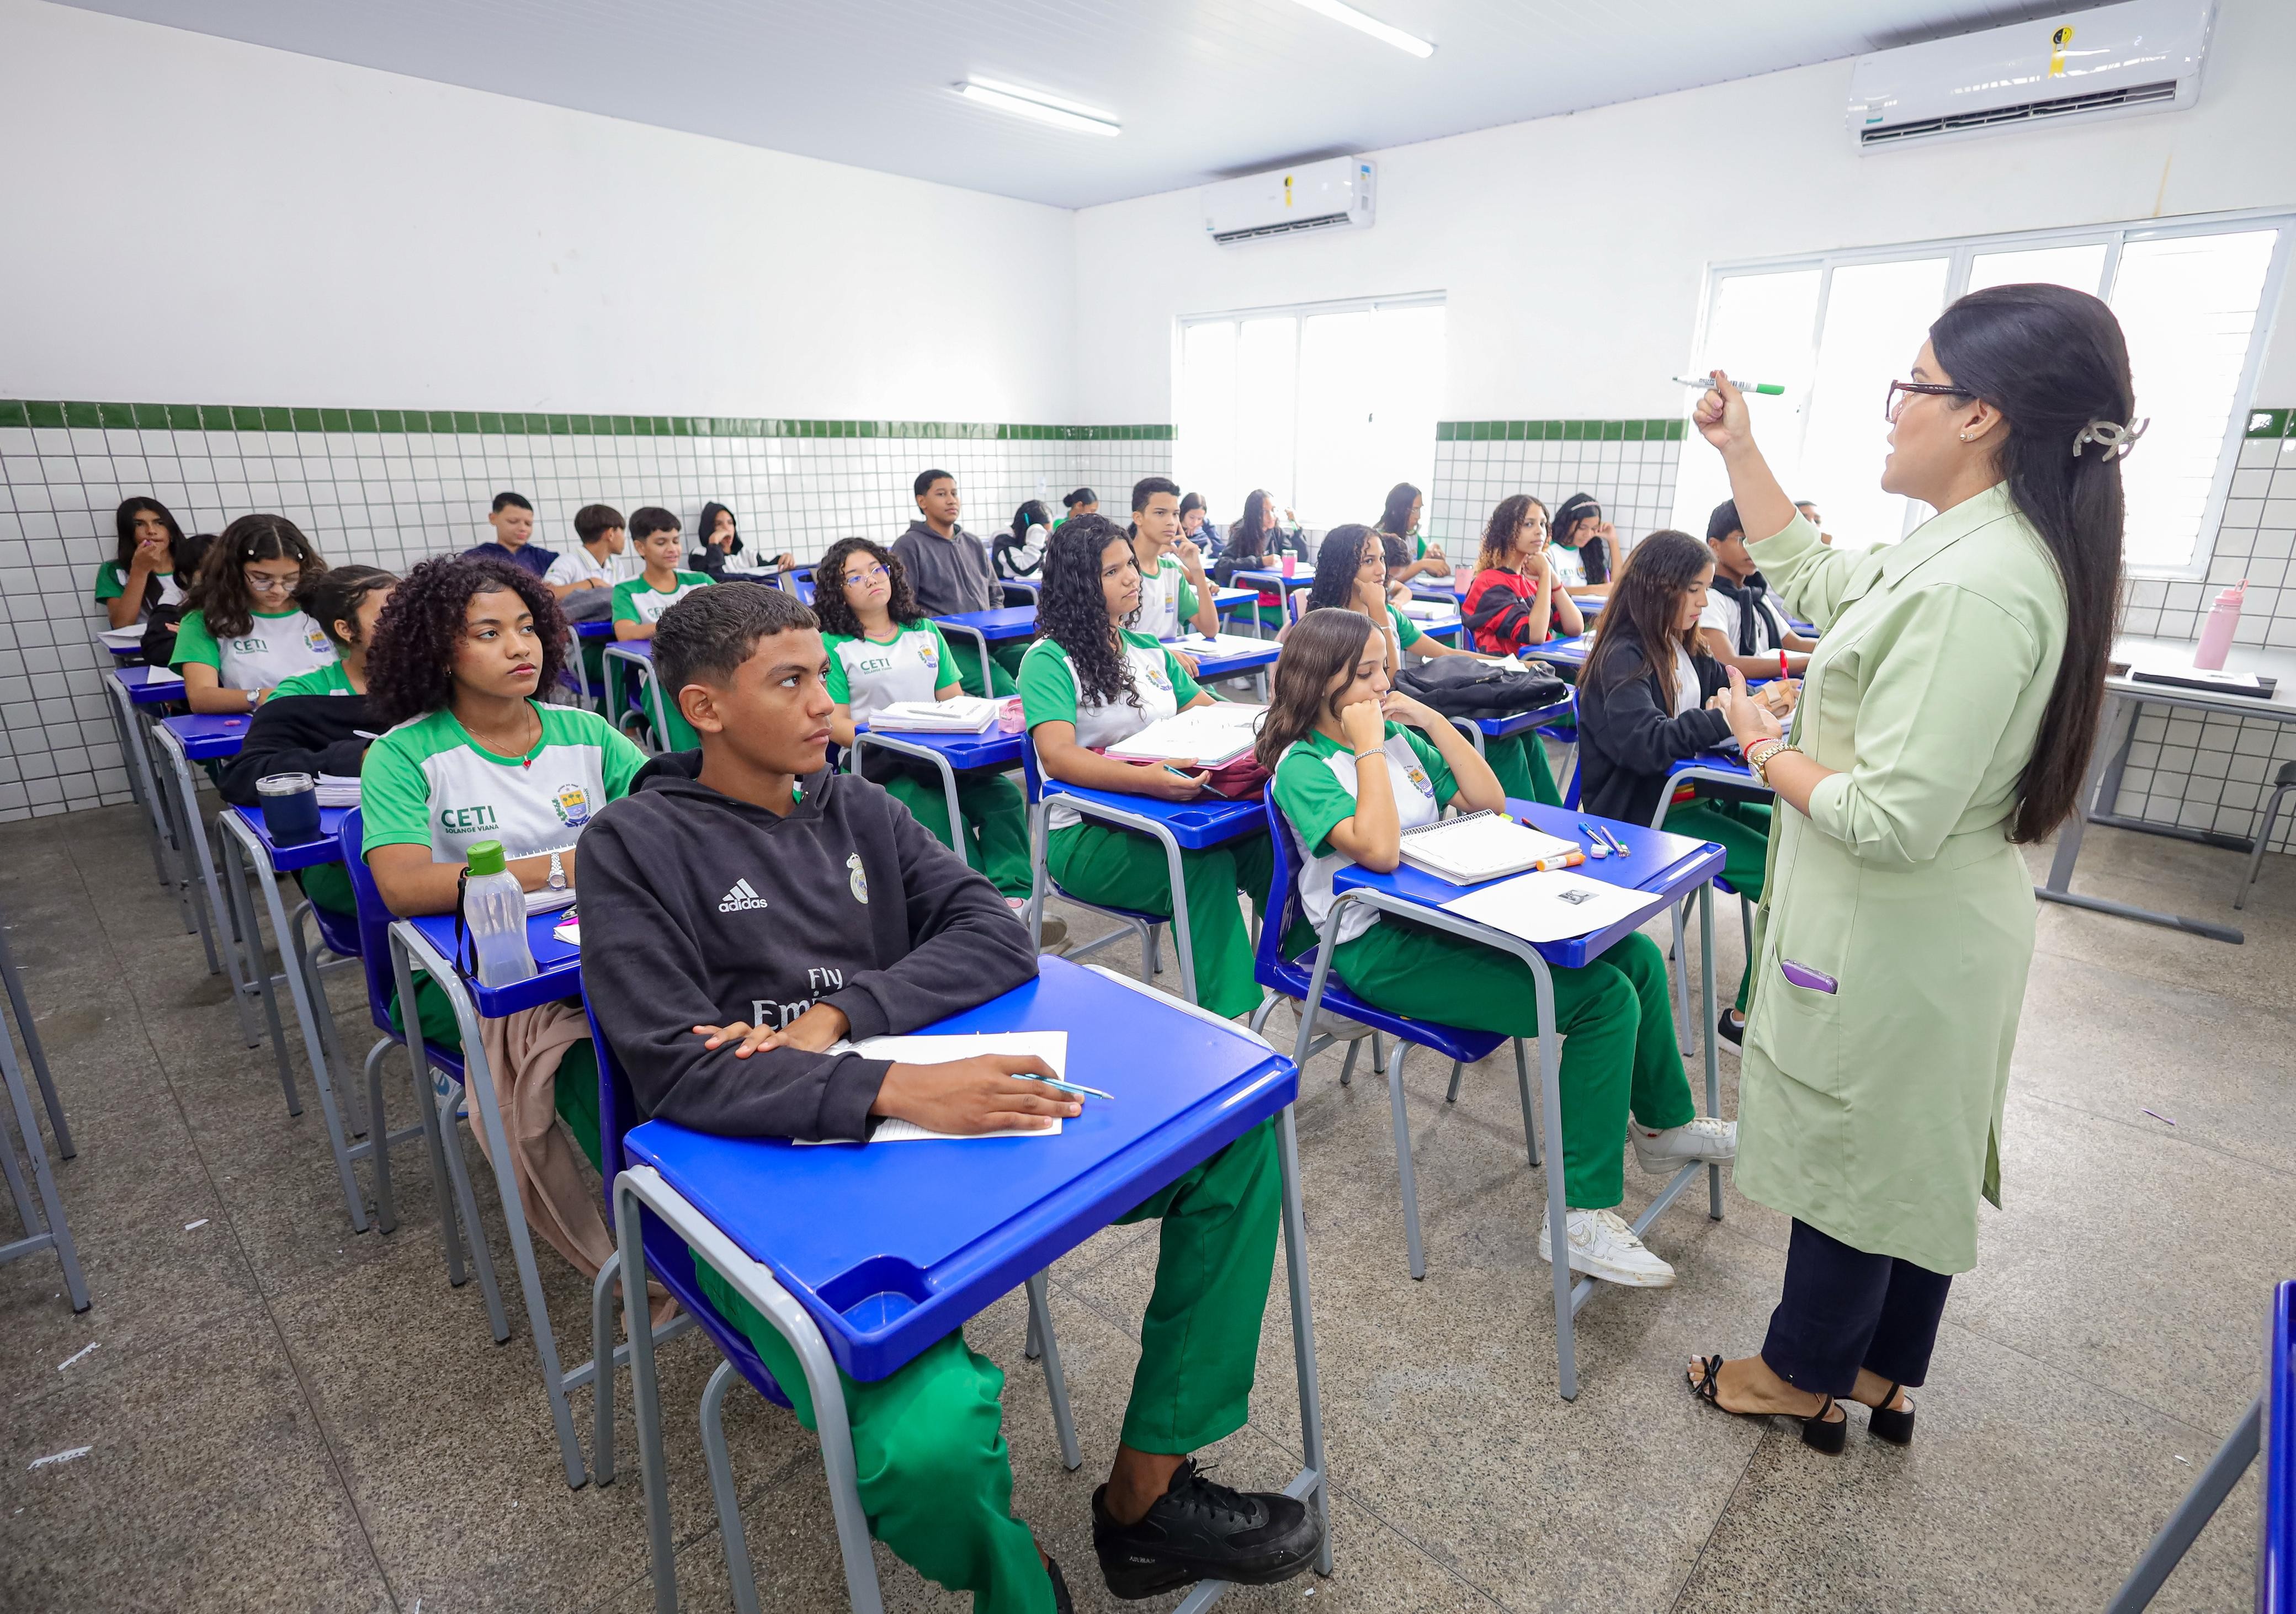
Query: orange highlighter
x=1569, y=860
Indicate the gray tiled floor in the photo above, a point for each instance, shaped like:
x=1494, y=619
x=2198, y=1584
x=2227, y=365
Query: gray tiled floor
x=283, y=1414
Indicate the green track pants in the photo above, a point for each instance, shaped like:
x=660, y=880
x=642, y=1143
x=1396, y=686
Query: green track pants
x=1003, y=659
x=995, y=822
x=1742, y=829
x=1520, y=763
x=1099, y=863
x=935, y=1480
x=1615, y=1016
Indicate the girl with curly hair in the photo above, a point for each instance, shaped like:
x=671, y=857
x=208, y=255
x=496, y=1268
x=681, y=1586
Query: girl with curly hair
x=1516, y=602
x=1351, y=575
x=882, y=648
x=242, y=634
x=1090, y=681
x=460, y=656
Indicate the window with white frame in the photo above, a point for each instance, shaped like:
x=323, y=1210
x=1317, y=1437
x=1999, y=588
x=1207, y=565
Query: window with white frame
x=1835, y=329
x=1326, y=405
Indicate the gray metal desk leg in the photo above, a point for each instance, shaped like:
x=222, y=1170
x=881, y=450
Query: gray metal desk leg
x=33, y=1051
x=137, y=761
x=2193, y=1514
x=187, y=793
x=948, y=776
x=1558, y=1207
x=237, y=877
x=251, y=857
x=2114, y=734
x=455, y=1202
x=979, y=642
x=56, y=1234
x=181, y=823
x=1711, y=1037
x=479, y=1094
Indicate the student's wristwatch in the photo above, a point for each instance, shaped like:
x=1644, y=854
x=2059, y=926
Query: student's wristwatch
x=557, y=880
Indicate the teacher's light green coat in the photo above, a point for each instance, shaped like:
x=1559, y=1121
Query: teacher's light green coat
x=1874, y=1112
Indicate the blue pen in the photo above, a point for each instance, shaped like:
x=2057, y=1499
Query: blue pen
x=1076, y=1088
x=1597, y=847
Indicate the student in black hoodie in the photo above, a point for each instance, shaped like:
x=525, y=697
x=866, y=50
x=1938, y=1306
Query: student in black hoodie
x=748, y=910
x=1641, y=714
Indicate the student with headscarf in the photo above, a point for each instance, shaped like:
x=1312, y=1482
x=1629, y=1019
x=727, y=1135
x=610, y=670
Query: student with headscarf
x=1019, y=551
x=721, y=540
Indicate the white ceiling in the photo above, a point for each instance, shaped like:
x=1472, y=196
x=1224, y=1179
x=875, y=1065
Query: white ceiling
x=1204, y=88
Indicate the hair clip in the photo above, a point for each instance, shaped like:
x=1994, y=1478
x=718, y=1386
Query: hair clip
x=2110, y=436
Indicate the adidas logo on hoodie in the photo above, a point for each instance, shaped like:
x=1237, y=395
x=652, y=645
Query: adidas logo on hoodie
x=739, y=898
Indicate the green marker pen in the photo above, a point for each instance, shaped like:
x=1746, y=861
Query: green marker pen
x=1703, y=383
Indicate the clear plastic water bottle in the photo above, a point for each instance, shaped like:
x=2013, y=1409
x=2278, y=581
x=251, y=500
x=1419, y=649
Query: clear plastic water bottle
x=494, y=907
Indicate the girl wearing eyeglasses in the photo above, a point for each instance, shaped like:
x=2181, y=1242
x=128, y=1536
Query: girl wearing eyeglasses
x=1945, y=722
x=882, y=648
x=242, y=634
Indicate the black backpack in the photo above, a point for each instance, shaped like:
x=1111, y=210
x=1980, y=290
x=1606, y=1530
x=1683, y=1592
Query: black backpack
x=1462, y=686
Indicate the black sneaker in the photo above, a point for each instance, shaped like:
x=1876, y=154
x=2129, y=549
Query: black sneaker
x=1062, y=1603
x=1732, y=1031
x=1198, y=1530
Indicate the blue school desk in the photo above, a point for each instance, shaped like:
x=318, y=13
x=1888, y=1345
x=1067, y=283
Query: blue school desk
x=863, y=1256
x=1227, y=602
x=252, y=863
x=1669, y=868
x=181, y=741
x=1555, y=719
x=1213, y=668
x=428, y=943
x=1569, y=653
x=2268, y=1425
x=999, y=626
x=949, y=755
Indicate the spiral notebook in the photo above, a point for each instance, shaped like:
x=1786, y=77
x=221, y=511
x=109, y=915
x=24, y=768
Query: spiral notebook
x=1476, y=846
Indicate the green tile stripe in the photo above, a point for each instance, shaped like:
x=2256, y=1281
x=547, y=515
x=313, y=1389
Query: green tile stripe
x=248, y=417
x=2270, y=422
x=1559, y=431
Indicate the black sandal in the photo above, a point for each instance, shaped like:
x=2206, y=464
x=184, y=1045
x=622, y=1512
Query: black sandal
x=1819, y=1431
x=1895, y=1426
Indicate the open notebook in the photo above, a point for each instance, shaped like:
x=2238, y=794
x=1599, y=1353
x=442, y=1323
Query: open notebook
x=1212, y=735
x=1476, y=846
x=964, y=715
x=1212, y=646
x=1050, y=1047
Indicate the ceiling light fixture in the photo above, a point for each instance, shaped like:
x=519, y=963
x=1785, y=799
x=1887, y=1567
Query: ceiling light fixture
x=1338, y=11
x=1045, y=109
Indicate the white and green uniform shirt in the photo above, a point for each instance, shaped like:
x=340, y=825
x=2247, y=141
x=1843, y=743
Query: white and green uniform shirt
x=639, y=600
x=427, y=783
x=1049, y=694
x=328, y=680
x=1168, y=601
x=1406, y=632
x=273, y=650
x=1315, y=785
x=111, y=582
x=866, y=676
x=577, y=565
x=1569, y=569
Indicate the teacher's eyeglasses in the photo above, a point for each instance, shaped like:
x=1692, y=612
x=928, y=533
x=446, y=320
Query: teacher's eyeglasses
x=1897, y=401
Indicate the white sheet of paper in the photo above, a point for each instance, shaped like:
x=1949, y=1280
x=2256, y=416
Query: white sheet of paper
x=1050, y=1047
x=1222, y=644
x=1552, y=905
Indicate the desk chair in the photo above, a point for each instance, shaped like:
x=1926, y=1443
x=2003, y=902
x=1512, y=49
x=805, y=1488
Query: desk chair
x=1733, y=781
x=437, y=1076
x=2284, y=782
x=670, y=1259
x=575, y=676
x=1293, y=978
x=1147, y=927
x=37, y=1055
x=43, y=1221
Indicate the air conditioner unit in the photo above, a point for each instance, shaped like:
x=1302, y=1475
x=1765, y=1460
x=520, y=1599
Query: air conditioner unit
x=2116, y=61
x=1334, y=193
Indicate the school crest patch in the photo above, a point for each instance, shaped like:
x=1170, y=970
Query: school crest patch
x=856, y=877
x=1159, y=679
x=572, y=803
x=928, y=653
x=1419, y=780
x=315, y=639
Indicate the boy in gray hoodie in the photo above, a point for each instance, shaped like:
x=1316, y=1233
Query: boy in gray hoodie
x=747, y=909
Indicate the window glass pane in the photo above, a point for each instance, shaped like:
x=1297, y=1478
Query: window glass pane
x=1877, y=315
x=1267, y=377
x=1204, y=449
x=2081, y=267
x=1370, y=384
x=2187, y=305
x=1759, y=331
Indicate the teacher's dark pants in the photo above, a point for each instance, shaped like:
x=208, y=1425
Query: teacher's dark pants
x=1843, y=1309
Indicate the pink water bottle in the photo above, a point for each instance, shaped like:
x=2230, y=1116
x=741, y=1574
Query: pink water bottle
x=2215, y=633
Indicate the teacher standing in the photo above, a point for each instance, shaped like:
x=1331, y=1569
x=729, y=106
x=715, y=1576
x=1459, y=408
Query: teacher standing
x=1948, y=717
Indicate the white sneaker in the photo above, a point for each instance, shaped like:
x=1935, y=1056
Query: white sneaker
x=1055, y=934
x=1603, y=1246
x=1706, y=1141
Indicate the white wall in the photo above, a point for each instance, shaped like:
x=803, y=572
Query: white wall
x=1572, y=249
x=196, y=220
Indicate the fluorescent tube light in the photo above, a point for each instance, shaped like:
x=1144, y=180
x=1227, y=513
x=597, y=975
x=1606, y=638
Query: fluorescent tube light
x=1045, y=109
x=1338, y=11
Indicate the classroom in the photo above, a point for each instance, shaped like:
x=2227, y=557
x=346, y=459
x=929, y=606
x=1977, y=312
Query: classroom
x=1400, y=805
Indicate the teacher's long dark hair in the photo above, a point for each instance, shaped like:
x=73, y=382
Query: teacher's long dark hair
x=1072, y=610
x=2052, y=360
